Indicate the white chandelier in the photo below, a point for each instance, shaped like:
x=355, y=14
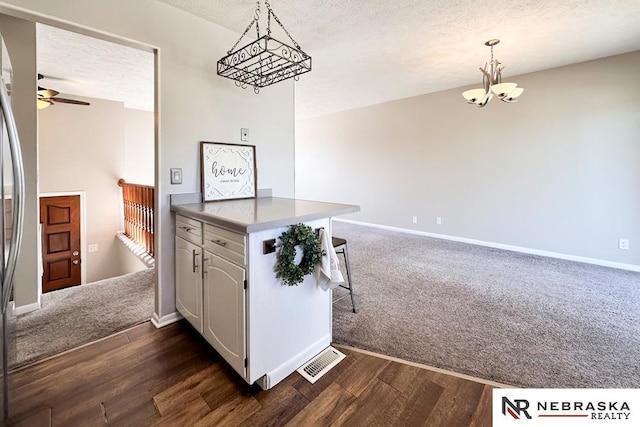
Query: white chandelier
x=492, y=83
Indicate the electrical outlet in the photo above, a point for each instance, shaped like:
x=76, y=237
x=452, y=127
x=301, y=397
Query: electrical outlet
x=438, y=220
x=623, y=244
x=93, y=248
x=244, y=134
x=415, y=219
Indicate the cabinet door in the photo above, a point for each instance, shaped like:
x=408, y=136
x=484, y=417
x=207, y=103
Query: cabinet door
x=189, y=282
x=224, y=318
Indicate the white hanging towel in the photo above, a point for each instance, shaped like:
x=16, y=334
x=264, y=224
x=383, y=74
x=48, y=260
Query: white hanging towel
x=328, y=272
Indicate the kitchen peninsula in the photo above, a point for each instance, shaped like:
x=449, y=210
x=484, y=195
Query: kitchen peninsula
x=227, y=289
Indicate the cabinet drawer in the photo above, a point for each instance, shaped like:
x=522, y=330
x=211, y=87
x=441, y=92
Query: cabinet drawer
x=225, y=243
x=189, y=229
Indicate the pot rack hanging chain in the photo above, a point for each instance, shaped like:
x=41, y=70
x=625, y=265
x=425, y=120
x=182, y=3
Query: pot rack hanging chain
x=255, y=21
x=270, y=12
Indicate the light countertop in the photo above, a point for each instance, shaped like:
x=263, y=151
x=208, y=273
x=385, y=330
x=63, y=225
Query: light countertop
x=263, y=213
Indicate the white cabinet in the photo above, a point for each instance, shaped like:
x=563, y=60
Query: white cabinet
x=224, y=299
x=227, y=289
x=211, y=286
x=189, y=281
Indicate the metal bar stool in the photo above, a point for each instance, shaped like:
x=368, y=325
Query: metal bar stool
x=340, y=246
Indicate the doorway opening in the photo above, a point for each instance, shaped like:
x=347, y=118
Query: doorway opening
x=89, y=277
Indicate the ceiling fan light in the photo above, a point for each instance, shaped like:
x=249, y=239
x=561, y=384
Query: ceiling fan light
x=503, y=89
x=473, y=96
x=43, y=104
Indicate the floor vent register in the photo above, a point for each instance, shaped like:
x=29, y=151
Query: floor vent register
x=314, y=369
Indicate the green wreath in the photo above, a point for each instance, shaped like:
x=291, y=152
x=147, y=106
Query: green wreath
x=305, y=237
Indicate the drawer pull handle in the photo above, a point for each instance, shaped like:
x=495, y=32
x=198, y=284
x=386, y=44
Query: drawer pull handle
x=187, y=229
x=220, y=242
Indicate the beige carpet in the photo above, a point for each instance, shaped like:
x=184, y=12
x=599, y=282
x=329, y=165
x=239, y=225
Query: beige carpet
x=505, y=316
x=74, y=316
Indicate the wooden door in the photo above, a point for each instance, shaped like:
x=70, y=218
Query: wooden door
x=60, y=218
x=189, y=282
x=224, y=312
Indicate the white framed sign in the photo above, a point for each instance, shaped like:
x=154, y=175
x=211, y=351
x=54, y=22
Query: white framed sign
x=228, y=171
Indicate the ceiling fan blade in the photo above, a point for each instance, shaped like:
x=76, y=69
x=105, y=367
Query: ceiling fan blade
x=47, y=93
x=69, y=101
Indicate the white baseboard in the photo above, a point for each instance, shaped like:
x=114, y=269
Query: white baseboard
x=25, y=308
x=595, y=261
x=161, y=322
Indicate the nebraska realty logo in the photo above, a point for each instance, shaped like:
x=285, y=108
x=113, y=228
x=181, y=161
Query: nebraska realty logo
x=566, y=407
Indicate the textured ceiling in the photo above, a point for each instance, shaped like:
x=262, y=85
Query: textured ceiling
x=74, y=64
x=370, y=51
x=367, y=52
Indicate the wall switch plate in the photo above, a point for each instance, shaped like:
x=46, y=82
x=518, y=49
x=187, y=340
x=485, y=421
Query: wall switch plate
x=244, y=134
x=438, y=220
x=415, y=219
x=93, y=248
x=623, y=244
x=176, y=175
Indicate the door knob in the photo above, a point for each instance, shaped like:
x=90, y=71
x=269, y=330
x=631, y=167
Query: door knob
x=76, y=262
x=76, y=253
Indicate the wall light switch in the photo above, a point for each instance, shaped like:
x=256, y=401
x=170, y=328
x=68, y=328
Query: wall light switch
x=176, y=176
x=244, y=134
x=438, y=220
x=93, y=248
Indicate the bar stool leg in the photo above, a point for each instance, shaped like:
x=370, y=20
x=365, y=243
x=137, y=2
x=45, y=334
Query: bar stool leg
x=345, y=253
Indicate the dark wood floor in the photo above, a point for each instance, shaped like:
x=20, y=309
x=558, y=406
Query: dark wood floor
x=171, y=377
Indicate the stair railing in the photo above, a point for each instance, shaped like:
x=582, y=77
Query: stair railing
x=139, y=201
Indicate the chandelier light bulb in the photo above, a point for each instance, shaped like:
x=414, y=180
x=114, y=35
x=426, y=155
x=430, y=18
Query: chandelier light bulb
x=503, y=89
x=474, y=95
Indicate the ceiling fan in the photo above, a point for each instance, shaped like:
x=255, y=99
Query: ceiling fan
x=48, y=97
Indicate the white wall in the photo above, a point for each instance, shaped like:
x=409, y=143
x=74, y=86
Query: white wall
x=130, y=262
x=139, y=141
x=193, y=103
x=558, y=171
